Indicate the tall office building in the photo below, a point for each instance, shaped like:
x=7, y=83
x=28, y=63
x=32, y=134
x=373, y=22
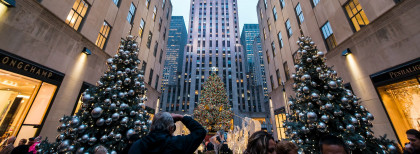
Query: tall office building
x=255, y=92
x=213, y=42
x=249, y=32
x=177, y=39
x=374, y=48
x=51, y=51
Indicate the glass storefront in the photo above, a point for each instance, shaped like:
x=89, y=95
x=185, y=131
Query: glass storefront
x=280, y=118
x=24, y=101
x=401, y=101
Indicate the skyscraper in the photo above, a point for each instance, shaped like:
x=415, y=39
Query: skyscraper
x=213, y=42
x=249, y=32
x=251, y=42
x=177, y=39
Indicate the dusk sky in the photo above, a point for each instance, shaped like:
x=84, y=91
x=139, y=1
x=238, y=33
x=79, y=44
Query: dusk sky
x=247, y=11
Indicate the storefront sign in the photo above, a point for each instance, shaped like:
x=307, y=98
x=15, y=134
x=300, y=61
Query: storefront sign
x=26, y=67
x=411, y=68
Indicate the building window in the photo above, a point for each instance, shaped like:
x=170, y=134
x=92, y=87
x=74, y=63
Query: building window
x=295, y=58
x=147, y=4
x=280, y=118
x=150, y=77
x=141, y=28
x=160, y=56
x=160, y=24
x=103, y=35
x=265, y=4
x=280, y=40
x=299, y=13
x=24, y=102
x=77, y=14
x=286, y=70
x=163, y=3
x=154, y=13
x=272, y=82
x=275, y=13
x=356, y=14
x=131, y=12
x=400, y=100
x=265, y=35
x=157, y=82
x=278, y=77
x=315, y=2
x=167, y=13
x=282, y=3
x=261, y=14
x=289, y=28
x=155, y=49
x=273, y=48
x=149, y=39
x=328, y=35
x=116, y=2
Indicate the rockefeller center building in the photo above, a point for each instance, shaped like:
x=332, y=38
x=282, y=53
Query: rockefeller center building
x=374, y=47
x=177, y=39
x=51, y=51
x=213, y=45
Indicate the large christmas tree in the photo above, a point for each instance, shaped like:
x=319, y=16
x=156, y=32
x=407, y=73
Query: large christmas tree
x=111, y=112
x=323, y=106
x=213, y=110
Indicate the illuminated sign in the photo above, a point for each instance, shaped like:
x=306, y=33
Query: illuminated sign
x=22, y=66
x=409, y=69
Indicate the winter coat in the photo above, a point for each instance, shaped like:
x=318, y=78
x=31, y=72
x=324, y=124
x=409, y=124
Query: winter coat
x=160, y=142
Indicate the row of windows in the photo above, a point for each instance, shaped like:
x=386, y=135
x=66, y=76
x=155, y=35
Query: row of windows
x=353, y=9
x=354, y=12
x=81, y=7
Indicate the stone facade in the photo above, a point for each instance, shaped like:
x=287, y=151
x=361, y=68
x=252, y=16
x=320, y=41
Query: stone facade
x=37, y=31
x=389, y=39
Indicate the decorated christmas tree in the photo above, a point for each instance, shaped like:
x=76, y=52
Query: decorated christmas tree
x=213, y=110
x=111, y=112
x=323, y=106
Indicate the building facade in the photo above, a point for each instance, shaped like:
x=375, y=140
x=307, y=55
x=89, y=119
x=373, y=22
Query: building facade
x=51, y=51
x=177, y=40
x=373, y=47
x=251, y=44
x=213, y=44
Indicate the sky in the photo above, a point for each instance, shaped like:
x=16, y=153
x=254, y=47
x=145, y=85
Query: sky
x=247, y=11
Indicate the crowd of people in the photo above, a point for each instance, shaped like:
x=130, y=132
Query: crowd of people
x=24, y=146
x=161, y=140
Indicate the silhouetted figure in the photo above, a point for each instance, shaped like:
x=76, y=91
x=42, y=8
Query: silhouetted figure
x=161, y=140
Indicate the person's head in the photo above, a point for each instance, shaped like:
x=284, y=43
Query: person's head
x=22, y=141
x=286, y=147
x=414, y=137
x=31, y=141
x=11, y=140
x=163, y=121
x=101, y=150
x=331, y=144
x=261, y=143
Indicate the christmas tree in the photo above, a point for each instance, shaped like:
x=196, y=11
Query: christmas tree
x=213, y=110
x=323, y=106
x=111, y=112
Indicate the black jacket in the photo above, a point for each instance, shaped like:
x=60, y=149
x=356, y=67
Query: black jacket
x=161, y=142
